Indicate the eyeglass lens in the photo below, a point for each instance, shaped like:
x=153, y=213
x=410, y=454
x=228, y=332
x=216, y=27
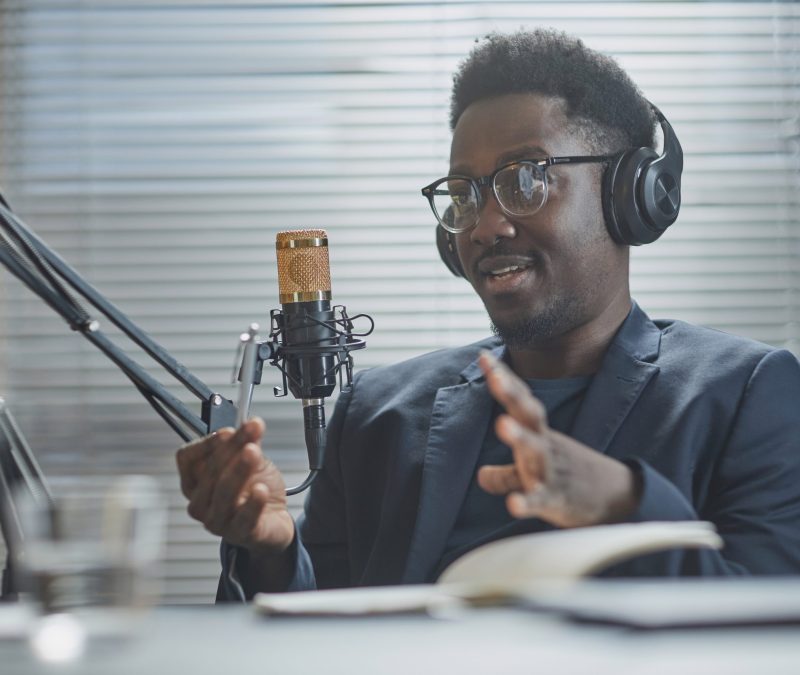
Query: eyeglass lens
x=520, y=189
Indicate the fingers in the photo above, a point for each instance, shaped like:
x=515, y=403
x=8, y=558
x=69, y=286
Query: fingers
x=192, y=458
x=524, y=481
x=201, y=464
x=512, y=393
x=499, y=480
x=207, y=455
x=187, y=459
x=530, y=449
x=245, y=520
x=227, y=442
x=232, y=490
x=504, y=480
x=530, y=452
x=528, y=504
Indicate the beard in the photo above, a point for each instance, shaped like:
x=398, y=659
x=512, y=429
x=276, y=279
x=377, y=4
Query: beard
x=527, y=332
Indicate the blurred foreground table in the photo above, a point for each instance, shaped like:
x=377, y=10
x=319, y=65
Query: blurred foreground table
x=235, y=639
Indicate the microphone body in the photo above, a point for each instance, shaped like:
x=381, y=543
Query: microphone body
x=311, y=377
x=308, y=324
x=307, y=328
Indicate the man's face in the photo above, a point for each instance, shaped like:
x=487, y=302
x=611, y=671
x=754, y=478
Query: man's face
x=568, y=270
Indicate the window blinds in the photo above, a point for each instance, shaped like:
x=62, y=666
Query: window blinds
x=159, y=147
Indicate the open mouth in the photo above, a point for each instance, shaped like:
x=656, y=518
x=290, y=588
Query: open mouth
x=506, y=271
x=501, y=277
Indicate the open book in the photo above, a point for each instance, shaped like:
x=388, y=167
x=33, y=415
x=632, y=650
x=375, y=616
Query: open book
x=505, y=569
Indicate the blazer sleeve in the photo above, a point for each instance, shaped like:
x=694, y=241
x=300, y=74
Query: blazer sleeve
x=231, y=587
x=754, y=495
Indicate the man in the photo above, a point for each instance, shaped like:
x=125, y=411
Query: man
x=580, y=411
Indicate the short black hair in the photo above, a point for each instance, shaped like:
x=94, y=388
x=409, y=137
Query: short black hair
x=598, y=94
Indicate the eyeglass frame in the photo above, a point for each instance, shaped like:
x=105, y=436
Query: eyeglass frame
x=478, y=184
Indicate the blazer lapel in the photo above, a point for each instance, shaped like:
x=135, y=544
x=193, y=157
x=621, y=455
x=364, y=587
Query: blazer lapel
x=459, y=421
x=623, y=375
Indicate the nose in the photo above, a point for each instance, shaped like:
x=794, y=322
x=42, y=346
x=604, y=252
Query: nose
x=493, y=224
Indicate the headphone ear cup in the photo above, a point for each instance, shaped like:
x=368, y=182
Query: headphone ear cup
x=660, y=193
x=642, y=190
x=446, y=245
x=624, y=218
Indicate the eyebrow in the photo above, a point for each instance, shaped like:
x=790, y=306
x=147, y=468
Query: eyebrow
x=524, y=152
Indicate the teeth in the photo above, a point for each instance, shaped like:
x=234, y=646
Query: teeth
x=505, y=270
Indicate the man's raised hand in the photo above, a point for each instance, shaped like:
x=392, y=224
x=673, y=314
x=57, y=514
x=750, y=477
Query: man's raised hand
x=553, y=477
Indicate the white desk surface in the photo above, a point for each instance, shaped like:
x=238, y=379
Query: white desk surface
x=235, y=640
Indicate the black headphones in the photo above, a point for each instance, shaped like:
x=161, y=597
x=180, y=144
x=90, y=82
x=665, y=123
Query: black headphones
x=641, y=196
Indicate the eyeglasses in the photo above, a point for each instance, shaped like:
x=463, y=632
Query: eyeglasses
x=519, y=187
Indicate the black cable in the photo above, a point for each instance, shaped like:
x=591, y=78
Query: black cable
x=299, y=488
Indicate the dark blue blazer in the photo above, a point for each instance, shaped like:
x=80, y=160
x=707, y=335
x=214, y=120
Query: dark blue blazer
x=712, y=421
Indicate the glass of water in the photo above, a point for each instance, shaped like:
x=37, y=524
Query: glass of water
x=99, y=544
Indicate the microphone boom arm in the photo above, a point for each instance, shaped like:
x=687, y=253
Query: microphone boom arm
x=37, y=266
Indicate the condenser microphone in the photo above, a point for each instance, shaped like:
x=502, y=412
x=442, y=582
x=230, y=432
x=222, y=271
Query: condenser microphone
x=308, y=329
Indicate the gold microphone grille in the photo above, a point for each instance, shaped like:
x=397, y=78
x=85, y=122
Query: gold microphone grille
x=304, y=271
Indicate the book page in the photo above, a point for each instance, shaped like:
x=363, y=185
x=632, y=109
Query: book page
x=508, y=564
x=366, y=600
x=502, y=569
